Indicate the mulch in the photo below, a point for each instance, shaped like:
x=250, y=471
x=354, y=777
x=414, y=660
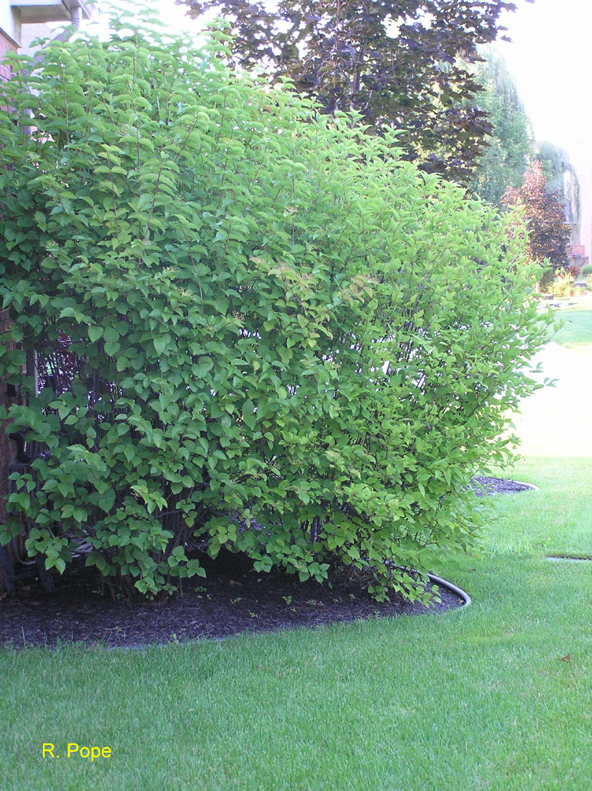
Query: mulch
x=233, y=599
x=484, y=486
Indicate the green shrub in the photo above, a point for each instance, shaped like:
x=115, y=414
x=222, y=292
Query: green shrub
x=585, y=271
x=563, y=286
x=546, y=281
x=263, y=318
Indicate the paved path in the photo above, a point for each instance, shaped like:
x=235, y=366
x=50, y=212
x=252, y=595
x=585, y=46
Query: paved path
x=554, y=421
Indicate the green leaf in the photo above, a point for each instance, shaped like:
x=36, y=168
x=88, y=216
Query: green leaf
x=112, y=348
x=111, y=335
x=94, y=333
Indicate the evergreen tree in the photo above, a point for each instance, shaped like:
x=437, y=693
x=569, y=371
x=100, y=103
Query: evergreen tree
x=509, y=146
x=562, y=178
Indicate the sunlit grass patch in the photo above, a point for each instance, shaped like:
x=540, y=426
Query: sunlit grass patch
x=576, y=329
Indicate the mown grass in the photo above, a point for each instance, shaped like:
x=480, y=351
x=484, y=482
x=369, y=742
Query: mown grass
x=472, y=699
x=576, y=332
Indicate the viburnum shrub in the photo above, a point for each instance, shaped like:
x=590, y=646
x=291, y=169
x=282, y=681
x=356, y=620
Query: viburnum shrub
x=255, y=327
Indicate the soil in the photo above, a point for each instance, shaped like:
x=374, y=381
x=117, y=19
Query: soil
x=233, y=599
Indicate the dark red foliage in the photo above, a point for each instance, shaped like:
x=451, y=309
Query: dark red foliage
x=548, y=232
x=400, y=63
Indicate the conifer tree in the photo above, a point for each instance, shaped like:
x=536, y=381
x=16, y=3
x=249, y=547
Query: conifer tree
x=510, y=145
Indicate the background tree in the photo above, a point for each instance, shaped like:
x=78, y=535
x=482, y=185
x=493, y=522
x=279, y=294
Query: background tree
x=544, y=213
x=510, y=145
x=404, y=64
x=562, y=179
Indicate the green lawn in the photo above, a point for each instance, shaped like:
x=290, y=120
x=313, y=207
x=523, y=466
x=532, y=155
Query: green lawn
x=473, y=699
x=576, y=332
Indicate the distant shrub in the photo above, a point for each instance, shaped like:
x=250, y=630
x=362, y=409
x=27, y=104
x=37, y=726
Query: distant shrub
x=574, y=270
x=269, y=320
x=563, y=286
x=585, y=271
x=546, y=281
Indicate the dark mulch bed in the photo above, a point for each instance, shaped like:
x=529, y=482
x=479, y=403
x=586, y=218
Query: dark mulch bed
x=234, y=598
x=484, y=486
